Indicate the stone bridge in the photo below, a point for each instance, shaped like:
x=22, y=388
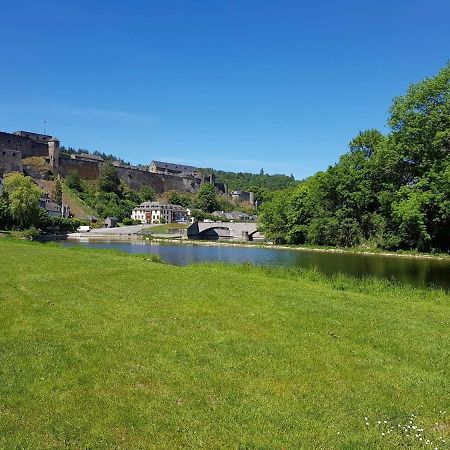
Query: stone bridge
x=246, y=231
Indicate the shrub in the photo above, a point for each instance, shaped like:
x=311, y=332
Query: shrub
x=323, y=231
x=28, y=234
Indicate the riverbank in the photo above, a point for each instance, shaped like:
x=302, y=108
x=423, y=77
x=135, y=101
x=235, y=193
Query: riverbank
x=105, y=349
x=404, y=254
x=167, y=237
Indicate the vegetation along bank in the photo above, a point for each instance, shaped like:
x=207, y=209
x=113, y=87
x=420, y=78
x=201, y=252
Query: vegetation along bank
x=390, y=191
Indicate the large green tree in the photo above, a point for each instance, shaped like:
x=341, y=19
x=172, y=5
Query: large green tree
x=109, y=180
x=24, y=198
x=206, y=199
x=390, y=190
x=147, y=194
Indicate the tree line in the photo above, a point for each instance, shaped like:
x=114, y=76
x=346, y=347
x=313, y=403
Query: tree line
x=389, y=190
x=262, y=184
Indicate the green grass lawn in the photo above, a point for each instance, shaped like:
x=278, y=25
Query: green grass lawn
x=165, y=228
x=104, y=350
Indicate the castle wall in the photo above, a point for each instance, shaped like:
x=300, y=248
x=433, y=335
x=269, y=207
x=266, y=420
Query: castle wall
x=23, y=144
x=88, y=170
x=160, y=183
x=136, y=179
x=14, y=147
x=10, y=161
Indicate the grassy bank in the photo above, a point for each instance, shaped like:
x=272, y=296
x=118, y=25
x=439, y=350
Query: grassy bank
x=106, y=350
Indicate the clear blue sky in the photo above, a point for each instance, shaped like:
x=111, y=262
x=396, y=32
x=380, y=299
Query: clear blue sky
x=230, y=84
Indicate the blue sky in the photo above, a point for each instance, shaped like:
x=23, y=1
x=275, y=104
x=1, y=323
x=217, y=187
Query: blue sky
x=234, y=85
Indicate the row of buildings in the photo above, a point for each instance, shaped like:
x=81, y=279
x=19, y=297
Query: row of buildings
x=156, y=212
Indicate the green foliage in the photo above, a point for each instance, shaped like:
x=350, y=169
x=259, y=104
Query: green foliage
x=391, y=190
x=73, y=181
x=147, y=194
x=23, y=199
x=118, y=204
x=28, y=234
x=180, y=198
x=250, y=181
x=109, y=180
x=57, y=192
x=127, y=193
x=206, y=198
x=6, y=218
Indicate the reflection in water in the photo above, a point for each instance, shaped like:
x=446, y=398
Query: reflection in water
x=411, y=270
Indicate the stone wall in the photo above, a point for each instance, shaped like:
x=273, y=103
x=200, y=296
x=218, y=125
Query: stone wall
x=10, y=161
x=23, y=144
x=160, y=183
x=135, y=178
x=88, y=170
x=14, y=147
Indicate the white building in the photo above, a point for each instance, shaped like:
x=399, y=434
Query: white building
x=155, y=212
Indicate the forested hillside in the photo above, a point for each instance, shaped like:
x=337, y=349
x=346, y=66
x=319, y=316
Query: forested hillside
x=392, y=190
x=249, y=181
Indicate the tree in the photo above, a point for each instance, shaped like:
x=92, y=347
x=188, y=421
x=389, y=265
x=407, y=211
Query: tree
x=129, y=194
x=179, y=198
x=6, y=219
x=420, y=120
x=109, y=180
x=206, y=199
x=57, y=192
x=392, y=190
x=274, y=217
x=73, y=181
x=147, y=194
x=367, y=142
x=24, y=198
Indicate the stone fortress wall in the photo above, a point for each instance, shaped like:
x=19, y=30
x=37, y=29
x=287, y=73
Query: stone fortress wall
x=88, y=170
x=23, y=143
x=10, y=161
x=16, y=146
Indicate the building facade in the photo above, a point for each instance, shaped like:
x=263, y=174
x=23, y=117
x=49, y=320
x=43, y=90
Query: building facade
x=166, y=168
x=52, y=208
x=156, y=212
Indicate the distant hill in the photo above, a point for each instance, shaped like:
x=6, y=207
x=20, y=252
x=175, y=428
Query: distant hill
x=251, y=181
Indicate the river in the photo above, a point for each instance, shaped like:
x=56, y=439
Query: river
x=416, y=271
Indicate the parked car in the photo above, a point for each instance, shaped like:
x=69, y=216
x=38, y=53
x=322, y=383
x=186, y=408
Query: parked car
x=83, y=229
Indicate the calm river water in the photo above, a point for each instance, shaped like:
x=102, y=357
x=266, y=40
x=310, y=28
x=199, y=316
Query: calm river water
x=415, y=271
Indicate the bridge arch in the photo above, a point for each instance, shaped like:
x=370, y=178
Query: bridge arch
x=215, y=233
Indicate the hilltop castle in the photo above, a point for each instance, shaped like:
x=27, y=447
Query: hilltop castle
x=17, y=148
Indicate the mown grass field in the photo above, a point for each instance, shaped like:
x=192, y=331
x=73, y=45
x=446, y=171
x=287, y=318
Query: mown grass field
x=104, y=350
